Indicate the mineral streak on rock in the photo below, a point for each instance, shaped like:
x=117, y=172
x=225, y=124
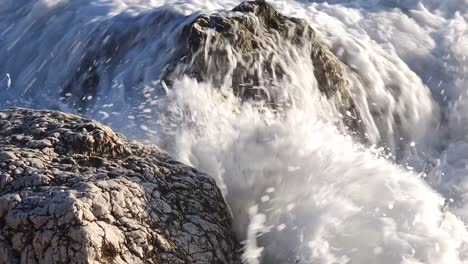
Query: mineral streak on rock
x=73, y=191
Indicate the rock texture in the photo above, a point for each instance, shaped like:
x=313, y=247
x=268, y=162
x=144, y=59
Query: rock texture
x=72, y=191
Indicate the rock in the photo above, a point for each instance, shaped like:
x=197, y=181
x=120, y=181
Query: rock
x=245, y=44
x=110, y=46
x=97, y=198
x=254, y=30
x=238, y=48
x=7, y=156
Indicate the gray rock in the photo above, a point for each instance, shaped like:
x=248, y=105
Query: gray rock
x=7, y=156
x=252, y=33
x=93, y=197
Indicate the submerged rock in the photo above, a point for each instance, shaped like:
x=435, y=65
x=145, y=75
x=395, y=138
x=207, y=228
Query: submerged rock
x=73, y=191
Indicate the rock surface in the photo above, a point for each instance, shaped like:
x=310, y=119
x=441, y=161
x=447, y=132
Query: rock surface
x=73, y=191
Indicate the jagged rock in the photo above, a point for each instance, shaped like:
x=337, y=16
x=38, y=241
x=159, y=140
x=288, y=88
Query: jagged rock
x=73, y=191
x=254, y=30
x=240, y=48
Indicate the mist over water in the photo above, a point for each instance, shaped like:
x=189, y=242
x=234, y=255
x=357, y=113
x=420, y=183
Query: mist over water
x=301, y=188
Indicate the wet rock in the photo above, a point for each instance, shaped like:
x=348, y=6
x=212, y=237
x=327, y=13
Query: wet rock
x=237, y=49
x=245, y=48
x=97, y=198
x=254, y=29
x=7, y=156
x=110, y=46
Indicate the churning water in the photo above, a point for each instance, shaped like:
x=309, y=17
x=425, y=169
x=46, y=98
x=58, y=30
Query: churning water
x=300, y=188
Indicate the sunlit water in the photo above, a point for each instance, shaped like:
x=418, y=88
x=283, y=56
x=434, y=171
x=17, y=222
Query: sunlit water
x=300, y=189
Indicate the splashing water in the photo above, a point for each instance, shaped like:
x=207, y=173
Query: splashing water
x=300, y=189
